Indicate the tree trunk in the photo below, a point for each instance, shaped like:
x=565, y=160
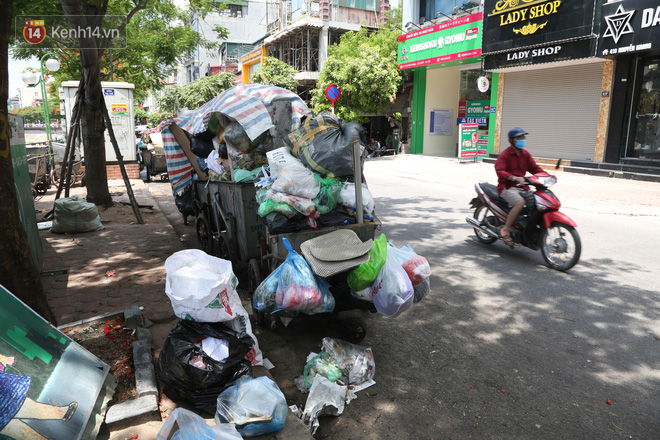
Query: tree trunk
x=18, y=271
x=79, y=13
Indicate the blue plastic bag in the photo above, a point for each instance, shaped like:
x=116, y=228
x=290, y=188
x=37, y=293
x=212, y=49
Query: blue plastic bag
x=186, y=425
x=255, y=406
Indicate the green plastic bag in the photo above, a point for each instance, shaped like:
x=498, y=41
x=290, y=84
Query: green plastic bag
x=362, y=276
x=323, y=364
x=326, y=199
x=269, y=206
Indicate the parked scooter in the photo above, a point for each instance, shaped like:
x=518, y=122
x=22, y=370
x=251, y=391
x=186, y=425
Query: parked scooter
x=540, y=225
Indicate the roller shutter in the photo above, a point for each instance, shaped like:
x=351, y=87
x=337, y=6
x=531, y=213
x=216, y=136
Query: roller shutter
x=557, y=106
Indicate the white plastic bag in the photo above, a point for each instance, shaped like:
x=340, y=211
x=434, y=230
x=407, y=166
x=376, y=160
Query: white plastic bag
x=297, y=180
x=279, y=159
x=202, y=288
x=186, y=425
x=392, y=291
x=416, y=266
x=347, y=198
x=302, y=205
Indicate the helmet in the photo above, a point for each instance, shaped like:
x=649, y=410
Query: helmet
x=515, y=132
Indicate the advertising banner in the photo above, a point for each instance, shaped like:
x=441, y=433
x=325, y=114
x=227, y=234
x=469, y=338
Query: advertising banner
x=469, y=140
x=568, y=50
x=514, y=24
x=474, y=109
x=445, y=43
x=629, y=26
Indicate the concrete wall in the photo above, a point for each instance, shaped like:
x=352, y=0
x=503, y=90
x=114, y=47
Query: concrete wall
x=442, y=92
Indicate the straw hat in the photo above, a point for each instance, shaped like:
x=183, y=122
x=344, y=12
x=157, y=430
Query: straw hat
x=336, y=252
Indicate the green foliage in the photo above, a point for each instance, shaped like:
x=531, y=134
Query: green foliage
x=204, y=89
x=139, y=112
x=276, y=73
x=35, y=114
x=156, y=118
x=364, y=66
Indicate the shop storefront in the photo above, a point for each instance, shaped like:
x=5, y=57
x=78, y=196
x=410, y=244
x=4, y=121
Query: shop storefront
x=551, y=81
x=450, y=87
x=250, y=62
x=630, y=34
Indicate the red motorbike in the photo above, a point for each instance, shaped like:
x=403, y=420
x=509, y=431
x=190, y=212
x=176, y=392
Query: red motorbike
x=539, y=226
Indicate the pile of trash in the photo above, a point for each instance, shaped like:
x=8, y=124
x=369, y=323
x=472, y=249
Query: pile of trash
x=208, y=356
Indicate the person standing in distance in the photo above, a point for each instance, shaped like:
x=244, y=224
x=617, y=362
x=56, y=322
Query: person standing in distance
x=511, y=166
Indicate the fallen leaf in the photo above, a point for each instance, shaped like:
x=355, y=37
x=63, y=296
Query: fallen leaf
x=110, y=273
x=608, y=402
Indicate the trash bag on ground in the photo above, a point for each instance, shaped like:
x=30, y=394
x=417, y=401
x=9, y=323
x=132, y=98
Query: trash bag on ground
x=198, y=377
x=421, y=290
x=364, y=275
x=255, y=406
x=298, y=288
x=297, y=180
x=326, y=199
x=263, y=298
x=325, y=398
x=347, y=198
x=201, y=287
x=392, y=291
x=356, y=362
x=325, y=145
x=73, y=214
x=325, y=365
x=183, y=424
x=416, y=266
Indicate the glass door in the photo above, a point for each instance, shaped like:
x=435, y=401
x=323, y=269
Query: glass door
x=646, y=143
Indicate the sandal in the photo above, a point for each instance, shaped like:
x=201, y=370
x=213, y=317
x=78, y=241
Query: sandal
x=508, y=240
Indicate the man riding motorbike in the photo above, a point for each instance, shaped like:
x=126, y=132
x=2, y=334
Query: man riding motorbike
x=511, y=166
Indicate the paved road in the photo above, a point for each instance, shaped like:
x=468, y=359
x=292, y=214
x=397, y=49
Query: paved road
x=505, y=347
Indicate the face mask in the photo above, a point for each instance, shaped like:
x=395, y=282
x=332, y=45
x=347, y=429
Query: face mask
x=520, y=143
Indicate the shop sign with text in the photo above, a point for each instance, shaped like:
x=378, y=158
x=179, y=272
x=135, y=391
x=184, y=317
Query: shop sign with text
x=474, y=109
x=469, y=138
x=513, y=24
x=629, y=26
x=569, y=50
x=446, y=43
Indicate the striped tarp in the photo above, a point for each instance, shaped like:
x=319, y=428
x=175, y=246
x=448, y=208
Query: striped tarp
x=249, y=104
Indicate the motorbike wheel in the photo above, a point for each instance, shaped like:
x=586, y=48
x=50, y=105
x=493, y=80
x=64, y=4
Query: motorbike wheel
x=561, y=246
x=480, y=214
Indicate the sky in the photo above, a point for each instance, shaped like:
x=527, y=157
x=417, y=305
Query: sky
x=15, y=69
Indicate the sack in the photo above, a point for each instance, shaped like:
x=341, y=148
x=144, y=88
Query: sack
x=302, y=205
x=297, y=288
x=325, y=145
x=356, y=362
x=297, y=180
x=421, y=290
x=392, y=291
x=191, y=371
x=183, y=424
x=416, y=266
x=255, y=406
x=245, y=161
x=347, y=198
x=202, y=288
x=364, y=275
x=246, y=176
x=235, y=136
x=263, y=298
x=337, y=217
x=73, y=214
x=326, y=199
x=280, y=224
x=184, y=201
x=270, y=206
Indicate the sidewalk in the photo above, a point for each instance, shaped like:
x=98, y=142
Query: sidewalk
x=95, y=273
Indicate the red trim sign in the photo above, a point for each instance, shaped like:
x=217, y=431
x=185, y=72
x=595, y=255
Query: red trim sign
x=332, y=92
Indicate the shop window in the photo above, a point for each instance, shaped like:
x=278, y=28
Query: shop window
x=235, y=11
x=647, y=115
x=469, y=90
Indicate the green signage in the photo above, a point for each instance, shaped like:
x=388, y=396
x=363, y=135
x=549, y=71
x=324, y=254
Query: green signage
x=448, y=42
x=478, y=109
x=468, y=137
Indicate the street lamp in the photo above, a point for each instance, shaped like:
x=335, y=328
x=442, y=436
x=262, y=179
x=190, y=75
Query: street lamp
x=30, y=79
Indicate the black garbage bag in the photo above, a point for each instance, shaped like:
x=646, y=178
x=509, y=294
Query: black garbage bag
x=279, y=224
x=201, y=145
x=201, y=386
x=325, y=145
x=222, y=151
x=337, y=217
x=184, y=201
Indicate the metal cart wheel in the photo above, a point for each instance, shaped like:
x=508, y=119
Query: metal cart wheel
x=352, y=329
x=204, y=234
